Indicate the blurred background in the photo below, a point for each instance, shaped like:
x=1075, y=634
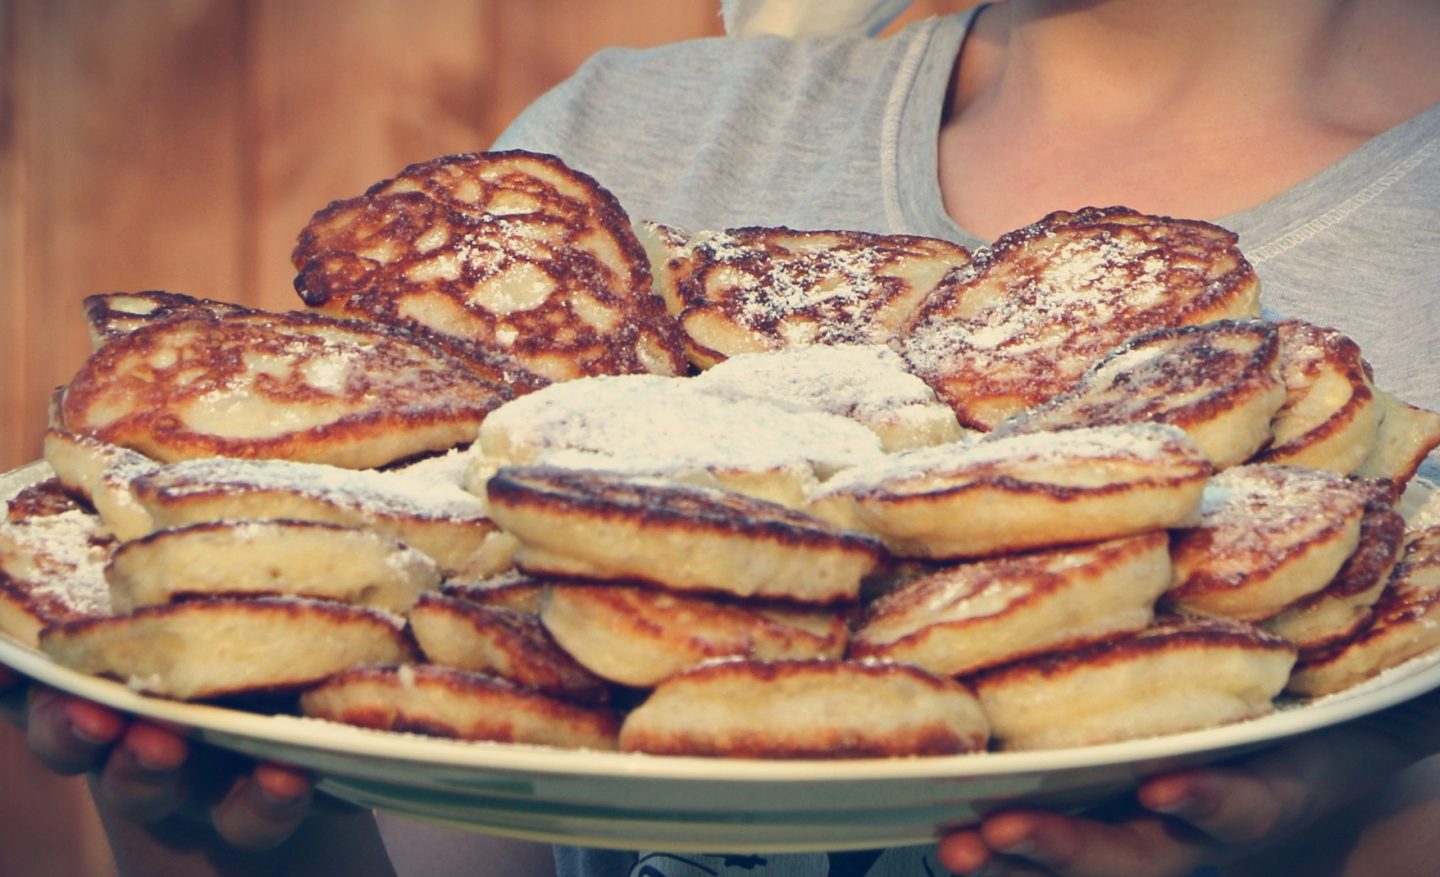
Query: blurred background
x=182, y=144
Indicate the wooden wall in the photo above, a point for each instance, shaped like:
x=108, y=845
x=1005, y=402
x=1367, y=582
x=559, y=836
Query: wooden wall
x=181, y=144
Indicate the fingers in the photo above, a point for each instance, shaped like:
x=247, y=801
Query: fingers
x=1233, y=807
x=261, y=810
x=1023, y=842
x=145, y=778
x=70, y=736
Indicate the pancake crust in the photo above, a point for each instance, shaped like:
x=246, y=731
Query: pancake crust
x=998, y=335
x=109, y=315
x=1180, y=674
x=639, y=636
x=1219, y=382
x=747, y=290
x=499, y=254
x=606, y=526
x=212, y=648
x=1012, y=493
x=806, y=709
x=513, y=645
x=445, y=702
x=301, y=387
x=1406, y=624
x=1330, y=419
x=967, y=617
x=1268, y=537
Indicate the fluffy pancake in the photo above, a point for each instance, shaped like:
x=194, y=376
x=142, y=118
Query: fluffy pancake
x=211, y=648
x=294, y=386
x=1344, y=606
x=966, y=617
x=445, y=702
x=1406, y=624
x=1027, y=491
x=806, y=709
x=1180, y=674
x=746, y=290
x=444, y=522
x=102, y=473
x=607, y=526
x=638, y=636
x=1268, y=537
x=1220, y=382
x=508, y=253
x=1407, y=433
x=52, y=562
x=866, y=383
x=269, y=557
x=644, y=423
x=1004, y=333
x=110, y=315
x=503, y=642
x=1330, y=419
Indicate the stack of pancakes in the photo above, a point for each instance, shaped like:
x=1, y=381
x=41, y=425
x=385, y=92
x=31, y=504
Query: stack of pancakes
x=527, y=472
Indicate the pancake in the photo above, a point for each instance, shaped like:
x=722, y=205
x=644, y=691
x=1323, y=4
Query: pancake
x=499, y=254
x=970, y=616
x=110, y=315
x=1219, y=382
x=102, y=474
x=1406, y=624
x=1180, y=674
x=1007, y=494
x=806, y=709
x=1000, y=334
x=513, y=645
x=866, y=383
x=273, y=558
x=52, y=562
x=605, y=526
x=445, y=702
x=442, y=521
x=747, y=290
x=639, y=636
x=649, y=424
x=1330, y=419
x=1406, y=435
x=511, y=589
x=221, y=647
x=1269, y=536
x=1345, y=606
x=299, y=387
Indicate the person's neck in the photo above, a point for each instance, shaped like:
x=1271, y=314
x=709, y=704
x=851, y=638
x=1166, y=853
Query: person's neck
x=1125, y=81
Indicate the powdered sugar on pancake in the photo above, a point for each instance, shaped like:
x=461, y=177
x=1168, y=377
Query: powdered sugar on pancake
x=59, y=560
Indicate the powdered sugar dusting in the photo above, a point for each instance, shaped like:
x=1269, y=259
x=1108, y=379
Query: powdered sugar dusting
x=60, y=562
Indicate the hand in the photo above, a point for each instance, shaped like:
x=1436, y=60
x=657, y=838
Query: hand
x=1179, y=821
x=147, y=773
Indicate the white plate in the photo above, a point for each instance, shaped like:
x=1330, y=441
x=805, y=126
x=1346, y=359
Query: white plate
x=698, y=804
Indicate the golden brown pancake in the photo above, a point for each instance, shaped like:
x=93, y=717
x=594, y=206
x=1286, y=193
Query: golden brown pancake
x=513, y=645
x=52, y=562
x=1033, y=311
x=1179, y=674
x=1407, y=433
x=1406, y=624
x=1269, y=536
x=102, y=474
x=806, y=709
x=445, y=702
x=499, y=254
x=300, y=387
x=963, y=618
x=1219, y=382
x=1345, y=606
x=271, y=558
x=1330, y=419
x=746, y=290
x=109, y=315
x=219, y=647
x=638, y=636
x=511, y=589
x=1012, y=493
x=606, y=526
